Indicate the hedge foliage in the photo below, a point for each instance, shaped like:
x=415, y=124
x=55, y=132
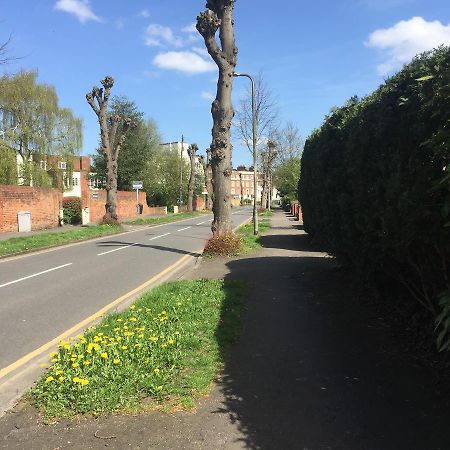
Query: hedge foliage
x=375, y=185
x=72, y=210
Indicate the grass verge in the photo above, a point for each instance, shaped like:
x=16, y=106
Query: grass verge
x=45, y=240
x=241, y=242
x=166, y=219
x=164, y=351
x=250, y=242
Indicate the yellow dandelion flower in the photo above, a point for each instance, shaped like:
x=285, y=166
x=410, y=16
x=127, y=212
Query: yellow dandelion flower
x=80, y=356
x=48, y=379
x=86, y=363
x=179, y=303
x=159, y=388
x=171, y=342
x=67, y=347
x=83, y=382
x=153, y=338
x=52, y=354
x=116, y=361
x=156, y=370
x=104, y=355
x=54, y=359
x=177, y=333
x=75, y=379
x=133, y=307
x=61, y=378
x=58, y=372
x=119, y=320
x=163, y=345
x=75, y=364
x=133, y=319
x=124, y=347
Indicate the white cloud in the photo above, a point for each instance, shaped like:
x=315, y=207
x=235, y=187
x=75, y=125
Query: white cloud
x=201, y=51
x=159, y=36
x=190, y=28
x=119, y=24
x=406, y=39
x=79, y=8
x=207, y=96
x=187, y=62
x=144, y=13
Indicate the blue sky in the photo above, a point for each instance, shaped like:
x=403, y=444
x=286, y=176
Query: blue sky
x=313, y=55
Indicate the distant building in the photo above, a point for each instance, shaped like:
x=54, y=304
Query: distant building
x=181, y=148
x=242, y=185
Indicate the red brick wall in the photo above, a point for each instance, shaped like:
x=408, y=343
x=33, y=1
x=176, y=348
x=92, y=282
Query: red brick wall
x=43, y=204
x=126, y=205
x=199, y=203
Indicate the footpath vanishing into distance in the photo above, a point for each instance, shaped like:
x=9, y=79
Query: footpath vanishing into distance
x=313, y=370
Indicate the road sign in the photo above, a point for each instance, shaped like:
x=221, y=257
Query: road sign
x=138, y=184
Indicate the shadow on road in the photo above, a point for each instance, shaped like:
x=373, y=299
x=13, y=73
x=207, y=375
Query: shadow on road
x=119, y=244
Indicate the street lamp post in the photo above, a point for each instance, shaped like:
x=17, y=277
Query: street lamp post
x=255, y=215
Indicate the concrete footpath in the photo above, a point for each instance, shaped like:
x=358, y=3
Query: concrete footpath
x=313, y=370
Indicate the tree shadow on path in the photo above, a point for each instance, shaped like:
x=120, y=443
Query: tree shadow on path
x=312, y=370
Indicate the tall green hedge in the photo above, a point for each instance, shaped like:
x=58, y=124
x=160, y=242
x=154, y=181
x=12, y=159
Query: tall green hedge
x=375, y=185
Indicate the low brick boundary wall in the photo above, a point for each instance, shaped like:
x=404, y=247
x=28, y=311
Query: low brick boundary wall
x=43, y=205
x=126, y=205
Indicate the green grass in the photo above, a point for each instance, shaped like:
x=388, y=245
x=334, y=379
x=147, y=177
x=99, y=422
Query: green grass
x=250, y=242
x=166, y=219
x=44, y=240
x=163, y=352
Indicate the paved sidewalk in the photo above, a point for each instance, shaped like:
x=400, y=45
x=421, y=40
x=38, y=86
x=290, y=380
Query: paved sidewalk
x=313, y=370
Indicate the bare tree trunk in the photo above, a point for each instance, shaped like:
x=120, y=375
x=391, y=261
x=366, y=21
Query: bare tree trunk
x=192, y=149
x=219, y=16
x=208, y=180
x=98, y=100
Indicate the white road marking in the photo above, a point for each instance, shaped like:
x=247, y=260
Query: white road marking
x=182, y=229
x=35, y=275
x=117, y=249
x=156, y=237
x=201, y=223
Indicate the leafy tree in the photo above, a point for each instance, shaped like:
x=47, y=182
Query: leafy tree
x=219, y=16
x=286, y=176
x=31, y=121
x=113, y=131
x=162, y=177
x=8, y=165
x=141, y=143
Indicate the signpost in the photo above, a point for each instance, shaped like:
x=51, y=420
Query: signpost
x=138, y=185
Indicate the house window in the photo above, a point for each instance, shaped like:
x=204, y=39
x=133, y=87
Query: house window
x=43, y=165
x=75, y=181
x=62, y=165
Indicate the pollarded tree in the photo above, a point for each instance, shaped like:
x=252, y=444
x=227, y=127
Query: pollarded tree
x=98, y=100
x=192, y=150
x=219, y=16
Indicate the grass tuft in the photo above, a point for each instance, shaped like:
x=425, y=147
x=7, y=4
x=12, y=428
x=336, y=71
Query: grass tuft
x=164, y=351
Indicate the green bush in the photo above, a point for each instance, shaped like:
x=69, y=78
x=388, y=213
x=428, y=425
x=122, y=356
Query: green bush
x=72, y=210
x=375, y=184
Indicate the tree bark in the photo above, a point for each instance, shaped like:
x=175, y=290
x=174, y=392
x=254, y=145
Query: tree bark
x=192, y=149
x=98, y=100
x=219, y=16
x=208, y=180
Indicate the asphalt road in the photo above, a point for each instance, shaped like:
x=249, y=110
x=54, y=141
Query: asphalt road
x=44, y=294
